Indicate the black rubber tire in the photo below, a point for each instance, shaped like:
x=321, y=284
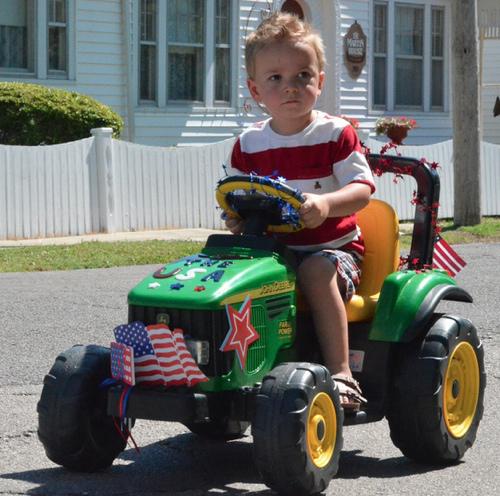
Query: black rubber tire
x=280, y=429
x=417, y=408
x=73, y=425
x=219, y=429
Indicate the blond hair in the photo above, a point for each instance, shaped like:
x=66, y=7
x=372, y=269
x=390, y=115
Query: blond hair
x=282, y=26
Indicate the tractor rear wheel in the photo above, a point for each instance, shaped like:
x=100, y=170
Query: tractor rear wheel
x=297, y=429
x=437, y=400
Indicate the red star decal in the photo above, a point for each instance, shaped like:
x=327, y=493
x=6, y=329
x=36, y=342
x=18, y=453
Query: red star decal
x=241, y=332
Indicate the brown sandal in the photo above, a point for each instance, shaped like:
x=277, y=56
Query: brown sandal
x=350, y=392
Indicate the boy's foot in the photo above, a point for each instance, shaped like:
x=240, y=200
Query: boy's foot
x=349, y=391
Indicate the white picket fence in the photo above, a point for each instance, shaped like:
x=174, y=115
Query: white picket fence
x=103, y=185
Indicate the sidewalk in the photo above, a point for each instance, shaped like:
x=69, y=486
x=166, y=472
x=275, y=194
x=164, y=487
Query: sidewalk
x=164, y=235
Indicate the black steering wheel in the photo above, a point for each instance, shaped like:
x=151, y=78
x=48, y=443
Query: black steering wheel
x=268, y=203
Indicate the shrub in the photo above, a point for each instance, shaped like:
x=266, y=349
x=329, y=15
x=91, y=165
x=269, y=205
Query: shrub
x=36, y=115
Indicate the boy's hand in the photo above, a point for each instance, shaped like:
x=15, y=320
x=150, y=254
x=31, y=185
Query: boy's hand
x=235, y=225
x=314, y=210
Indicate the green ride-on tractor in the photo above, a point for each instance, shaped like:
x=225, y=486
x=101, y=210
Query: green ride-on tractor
x=252, y=338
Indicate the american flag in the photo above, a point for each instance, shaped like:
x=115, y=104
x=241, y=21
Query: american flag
x=147, y=367
x=168, y=358
x=160, y=357
x=122, y=363
x=446, y=258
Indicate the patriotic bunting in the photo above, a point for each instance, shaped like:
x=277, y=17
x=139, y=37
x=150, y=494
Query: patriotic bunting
x=160, y=355
x=446, y=258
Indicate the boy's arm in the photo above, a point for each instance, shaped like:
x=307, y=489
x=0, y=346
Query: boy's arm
x=232, y=167
x=346, y=201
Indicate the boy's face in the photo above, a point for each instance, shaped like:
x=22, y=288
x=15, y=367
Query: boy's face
x=287, y=80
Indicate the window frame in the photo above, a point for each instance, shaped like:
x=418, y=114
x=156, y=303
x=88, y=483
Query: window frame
x=390, y=57
x=38, y=15
x=162, y=102
x=55, y=73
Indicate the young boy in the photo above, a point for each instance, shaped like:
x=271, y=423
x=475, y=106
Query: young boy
x=321, y=156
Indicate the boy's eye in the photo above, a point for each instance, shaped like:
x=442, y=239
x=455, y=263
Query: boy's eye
x=275, y=77
x=304, y=75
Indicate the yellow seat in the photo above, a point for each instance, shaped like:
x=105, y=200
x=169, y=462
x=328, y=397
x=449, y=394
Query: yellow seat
x=380, y=227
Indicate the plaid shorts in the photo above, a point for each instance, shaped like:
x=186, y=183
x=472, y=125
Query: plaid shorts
x=347, y=264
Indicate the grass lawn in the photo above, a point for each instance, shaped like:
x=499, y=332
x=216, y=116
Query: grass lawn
x=93, y=255
x=102, y=254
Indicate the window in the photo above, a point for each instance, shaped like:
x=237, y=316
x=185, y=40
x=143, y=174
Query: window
x=16, y=35
x=408, y=56
x=57, y=31
x=185, y=54
x=34, y=37
x=148, y=50
x=185, y=49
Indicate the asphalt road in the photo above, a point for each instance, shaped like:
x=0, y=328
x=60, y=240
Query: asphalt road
x=45, y=313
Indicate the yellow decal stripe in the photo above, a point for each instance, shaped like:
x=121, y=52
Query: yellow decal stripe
x=266, y=290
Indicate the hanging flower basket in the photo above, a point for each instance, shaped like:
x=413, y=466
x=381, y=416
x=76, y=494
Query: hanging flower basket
x=397, y=134
x=395, y=128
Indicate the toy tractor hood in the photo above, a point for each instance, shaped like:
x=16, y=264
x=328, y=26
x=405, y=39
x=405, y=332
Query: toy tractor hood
x=217, y=276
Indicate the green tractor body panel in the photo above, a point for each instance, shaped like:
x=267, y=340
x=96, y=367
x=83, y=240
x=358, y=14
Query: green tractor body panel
x=227, y=277
x=400, y=299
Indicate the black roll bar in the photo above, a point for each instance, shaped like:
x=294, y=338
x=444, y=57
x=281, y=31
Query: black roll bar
x=426, y=202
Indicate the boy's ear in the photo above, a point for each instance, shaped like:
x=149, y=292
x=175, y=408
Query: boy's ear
x=321, y=80
x=252, y=87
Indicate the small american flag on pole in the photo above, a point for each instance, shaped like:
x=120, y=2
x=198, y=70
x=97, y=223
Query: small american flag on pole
x=160, y=355
x=122, y=363
x=446, y=258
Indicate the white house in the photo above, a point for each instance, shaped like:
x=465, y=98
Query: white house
x=174, y=68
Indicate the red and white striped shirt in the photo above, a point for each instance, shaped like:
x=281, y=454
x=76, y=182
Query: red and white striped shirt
x=322, y=158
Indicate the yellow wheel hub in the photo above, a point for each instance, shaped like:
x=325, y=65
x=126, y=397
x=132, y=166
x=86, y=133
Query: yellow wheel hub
x=321, y=430
x=461, y=390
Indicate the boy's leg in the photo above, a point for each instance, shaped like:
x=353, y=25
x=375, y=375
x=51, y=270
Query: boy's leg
x=319, y=282
x=325, y=290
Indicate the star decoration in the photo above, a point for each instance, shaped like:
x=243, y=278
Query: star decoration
x=241, y=332
x=176, y=286
x=199, y=288
x=153, y=285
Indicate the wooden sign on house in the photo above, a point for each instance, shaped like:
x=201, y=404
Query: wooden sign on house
x=355, y=50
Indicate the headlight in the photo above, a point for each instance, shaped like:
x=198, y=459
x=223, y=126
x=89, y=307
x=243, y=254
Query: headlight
x=199, y=349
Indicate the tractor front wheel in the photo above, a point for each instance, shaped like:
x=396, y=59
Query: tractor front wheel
x=73, y=425
x=437, y=400
x=297, y=429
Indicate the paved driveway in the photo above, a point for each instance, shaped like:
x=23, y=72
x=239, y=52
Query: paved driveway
x=44, y=313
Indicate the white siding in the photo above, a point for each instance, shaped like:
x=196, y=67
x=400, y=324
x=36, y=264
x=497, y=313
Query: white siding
x=99, y=40
x=354, y=93
x=490, y=90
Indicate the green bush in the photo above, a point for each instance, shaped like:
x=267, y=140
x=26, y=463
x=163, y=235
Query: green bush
x=36, y=115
